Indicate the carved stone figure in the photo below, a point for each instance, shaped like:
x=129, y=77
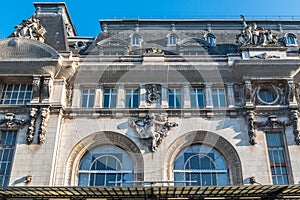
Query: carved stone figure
x=155, y=127
x=253, y=35
x=153, y=93
x=43, y=126
x=36, y=84
x=46, y=88
x=248, y=92
x=31, y=127
x=238, y=92
x=30, y=29
x=294, y=121
x=291, y=93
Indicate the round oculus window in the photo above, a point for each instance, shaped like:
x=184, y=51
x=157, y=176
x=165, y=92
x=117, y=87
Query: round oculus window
x=268, y=95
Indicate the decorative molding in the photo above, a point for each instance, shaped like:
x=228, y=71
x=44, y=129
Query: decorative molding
x=10, y=121
x=154, y=127
x=31, y=128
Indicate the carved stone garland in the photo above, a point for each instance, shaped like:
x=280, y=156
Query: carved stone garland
x=43, y=126
x=31, y=128
x=154, y=127
x=251, y=129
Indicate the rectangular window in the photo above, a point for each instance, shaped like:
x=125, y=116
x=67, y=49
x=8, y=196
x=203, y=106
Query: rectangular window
x=16, y=94
x=218, y=96
x=87, y=98
x=277, y=158
x=197, y=98
x=175, y=98
x=109, y=98
x=7, y=148
x=132, y=98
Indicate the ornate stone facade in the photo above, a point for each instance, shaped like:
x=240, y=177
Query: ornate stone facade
x=145, y=95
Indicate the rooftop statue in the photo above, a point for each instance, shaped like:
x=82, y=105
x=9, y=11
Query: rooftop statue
x=253, y=35
x=30, y=29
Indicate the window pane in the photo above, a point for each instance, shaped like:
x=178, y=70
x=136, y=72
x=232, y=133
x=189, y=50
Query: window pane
x=105, y=166
x=8, y=140
x=277, y=158
x=16, y=94
x=199, y=163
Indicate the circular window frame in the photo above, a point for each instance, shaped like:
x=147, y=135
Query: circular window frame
x=273, y=90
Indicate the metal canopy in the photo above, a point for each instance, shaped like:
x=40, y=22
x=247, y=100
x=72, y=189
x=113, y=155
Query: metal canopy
x=249, y=191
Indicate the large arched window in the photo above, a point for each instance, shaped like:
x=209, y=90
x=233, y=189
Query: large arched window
x=106, y=166
x=200, y=165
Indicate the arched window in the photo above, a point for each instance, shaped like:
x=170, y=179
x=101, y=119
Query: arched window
x=290, y=39
x=172, y=39
x=211, y=39
x=136, y=40
x=106, y=166
x=200, y=165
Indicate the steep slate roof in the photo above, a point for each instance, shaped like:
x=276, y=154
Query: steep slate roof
x=54, y=17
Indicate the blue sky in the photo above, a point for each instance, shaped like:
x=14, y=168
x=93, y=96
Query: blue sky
x=86, y=14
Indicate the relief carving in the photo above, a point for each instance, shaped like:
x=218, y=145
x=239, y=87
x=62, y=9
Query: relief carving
x=153, y=93
x=154, y=127
x=153, y=51
x=10, y=121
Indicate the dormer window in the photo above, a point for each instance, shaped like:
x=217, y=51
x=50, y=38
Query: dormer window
x=211, y=39
x=172, y=39
x=136, y=40
x=290, y=39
